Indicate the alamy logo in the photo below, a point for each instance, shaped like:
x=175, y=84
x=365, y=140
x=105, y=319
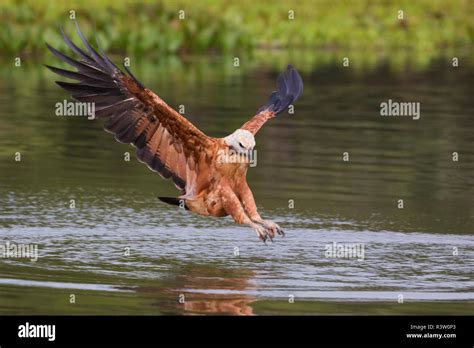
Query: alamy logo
x=12, y=250
x=68, y=108
x=231, y=156
x=345, y=251
x=37, y=331
x=394, y=108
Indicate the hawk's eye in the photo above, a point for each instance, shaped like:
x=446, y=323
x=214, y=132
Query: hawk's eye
x=241, y=145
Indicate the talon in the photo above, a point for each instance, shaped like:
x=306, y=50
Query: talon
x=270, y=236
x=273, y=229
x=268, y=231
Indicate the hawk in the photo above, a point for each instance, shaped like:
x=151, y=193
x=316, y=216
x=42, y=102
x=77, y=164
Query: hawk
x=209, y=172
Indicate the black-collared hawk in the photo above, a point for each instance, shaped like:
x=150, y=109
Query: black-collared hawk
x=209, y=172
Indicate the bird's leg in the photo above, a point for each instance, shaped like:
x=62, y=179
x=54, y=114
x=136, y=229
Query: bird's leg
x=234, y=208
x=251, y=209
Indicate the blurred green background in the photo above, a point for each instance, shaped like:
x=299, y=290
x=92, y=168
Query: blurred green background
x=429, y=28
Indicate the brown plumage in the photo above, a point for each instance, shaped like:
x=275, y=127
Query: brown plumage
x=210, y=172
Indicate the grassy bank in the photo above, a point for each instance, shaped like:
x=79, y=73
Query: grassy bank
x=138, y=27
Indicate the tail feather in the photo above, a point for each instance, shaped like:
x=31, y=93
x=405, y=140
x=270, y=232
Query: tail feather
x=174, y=201
x=290, y=87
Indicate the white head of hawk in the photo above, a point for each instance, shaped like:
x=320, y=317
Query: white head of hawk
x=241, y=141
x=168, y=143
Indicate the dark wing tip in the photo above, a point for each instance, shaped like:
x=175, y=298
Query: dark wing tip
x=49, y=46
x=90, y=57
x=289, y=89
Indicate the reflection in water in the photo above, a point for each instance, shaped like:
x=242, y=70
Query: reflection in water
x=227, y=305
x=425, y=250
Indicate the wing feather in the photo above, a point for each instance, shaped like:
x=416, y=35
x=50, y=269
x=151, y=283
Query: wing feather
x=289, y=88
x=165, y=140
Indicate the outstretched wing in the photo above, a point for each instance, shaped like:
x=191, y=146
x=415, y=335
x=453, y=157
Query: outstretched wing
x=290, y=87
x=166, y=141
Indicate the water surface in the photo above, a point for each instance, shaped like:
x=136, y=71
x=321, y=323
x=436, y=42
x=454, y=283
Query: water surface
x=121, y=251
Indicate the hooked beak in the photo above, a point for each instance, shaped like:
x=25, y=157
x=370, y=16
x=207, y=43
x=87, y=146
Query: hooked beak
x=246, y=152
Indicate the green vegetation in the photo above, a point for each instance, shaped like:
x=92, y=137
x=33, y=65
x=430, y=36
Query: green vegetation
x=429, y=26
